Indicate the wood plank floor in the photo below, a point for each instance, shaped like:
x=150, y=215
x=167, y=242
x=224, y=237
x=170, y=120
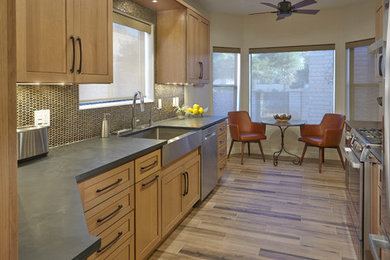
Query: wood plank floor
x=259, y=211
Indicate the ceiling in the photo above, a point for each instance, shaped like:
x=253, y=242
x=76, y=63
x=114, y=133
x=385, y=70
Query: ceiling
x=252, y=6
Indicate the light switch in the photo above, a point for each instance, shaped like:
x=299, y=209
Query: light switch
x=159, y=103
x=42, y=117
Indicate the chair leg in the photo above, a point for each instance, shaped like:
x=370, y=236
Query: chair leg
x=249, y=149
x=242, y=152
x=231, y=146
x=303, y=154
x=323, y=154
x=341, y=157
x=261, y=150
x=320, y=159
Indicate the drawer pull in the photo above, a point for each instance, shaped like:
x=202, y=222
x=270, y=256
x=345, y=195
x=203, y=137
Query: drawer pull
x=149, y=182
x=109, y=186
x=112, y=242
x=222, y=154
x=185, y=183
x=109, y=215
x=221, y=141
x=150, y=165
x=223, y=167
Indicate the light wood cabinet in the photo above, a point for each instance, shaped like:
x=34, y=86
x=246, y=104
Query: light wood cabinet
x=379, y=20
x=183, y=47
x=180, y=190
x=147, y=215
x=376, y=199
x=222, y=148
x=64, y=41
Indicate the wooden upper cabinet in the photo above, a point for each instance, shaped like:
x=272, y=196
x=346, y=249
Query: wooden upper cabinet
x=93, y=20
x=44, y=49
x=48, y=41
x=379, y=20
x=183, y=47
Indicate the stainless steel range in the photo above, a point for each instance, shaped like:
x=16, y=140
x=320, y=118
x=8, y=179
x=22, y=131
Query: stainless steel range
x=358, y=183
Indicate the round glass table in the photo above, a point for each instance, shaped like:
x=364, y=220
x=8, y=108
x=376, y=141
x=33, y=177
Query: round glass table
x=283, y=126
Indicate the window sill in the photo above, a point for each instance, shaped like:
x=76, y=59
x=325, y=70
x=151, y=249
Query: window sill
x=111, y=104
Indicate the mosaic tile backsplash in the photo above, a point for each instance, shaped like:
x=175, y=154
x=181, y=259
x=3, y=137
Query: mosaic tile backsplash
x=68, y=124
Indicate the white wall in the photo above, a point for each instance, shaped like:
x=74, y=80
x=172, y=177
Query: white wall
x=341, y=25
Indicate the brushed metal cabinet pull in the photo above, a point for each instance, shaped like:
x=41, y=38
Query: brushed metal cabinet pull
x=149, y=182
x=109, y=186
x=73, y=54
x=109, y=215
x=112, y=242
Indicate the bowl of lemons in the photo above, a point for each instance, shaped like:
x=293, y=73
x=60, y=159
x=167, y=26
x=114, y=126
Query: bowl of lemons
x=196, y=111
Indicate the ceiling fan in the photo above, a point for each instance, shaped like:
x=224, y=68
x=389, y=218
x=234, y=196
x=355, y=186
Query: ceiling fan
x=285, y=8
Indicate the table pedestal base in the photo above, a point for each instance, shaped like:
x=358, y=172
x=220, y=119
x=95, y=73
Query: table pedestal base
x=277, y=154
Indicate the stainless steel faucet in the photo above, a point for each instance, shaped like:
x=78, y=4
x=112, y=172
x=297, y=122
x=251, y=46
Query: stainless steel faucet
x=134, y=120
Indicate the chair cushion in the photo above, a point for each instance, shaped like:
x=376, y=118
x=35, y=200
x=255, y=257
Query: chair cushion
x=247, y=137
x=312, y=140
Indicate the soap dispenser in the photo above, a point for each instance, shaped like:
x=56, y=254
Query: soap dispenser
x=105, y=126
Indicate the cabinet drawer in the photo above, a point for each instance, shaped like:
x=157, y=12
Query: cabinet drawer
x=98, y=189
x=222, y=151
x=124, y=252
x=222, y=140
x=107, y=213
x=147, y=165
x=222, y=167
x=114, y=236
x=222, y=127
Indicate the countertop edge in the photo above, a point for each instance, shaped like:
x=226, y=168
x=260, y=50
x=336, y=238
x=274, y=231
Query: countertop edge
x=89, y=250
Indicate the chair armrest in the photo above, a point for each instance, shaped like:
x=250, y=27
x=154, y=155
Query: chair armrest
x=258, y=128
x=332, y=137
x=311, y=130
x=234, y=131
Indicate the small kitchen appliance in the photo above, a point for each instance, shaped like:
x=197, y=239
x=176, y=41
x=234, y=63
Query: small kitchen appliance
x=32, y=142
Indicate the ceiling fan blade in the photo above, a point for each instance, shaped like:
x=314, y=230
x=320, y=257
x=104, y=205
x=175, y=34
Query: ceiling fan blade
x=306, y=11
x=270, y=5
x=304, y=3
x=264, y=13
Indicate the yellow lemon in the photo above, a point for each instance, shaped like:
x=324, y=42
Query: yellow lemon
x=195, y=106
x=189, y=110
x=201, y=111
x=196, y=111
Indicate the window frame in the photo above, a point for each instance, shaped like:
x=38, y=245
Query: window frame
x=297, y=48
x=143, y=26
x=237, y=76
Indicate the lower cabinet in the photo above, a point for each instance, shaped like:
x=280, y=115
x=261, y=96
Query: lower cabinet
x=147, y=215
x=180, y=190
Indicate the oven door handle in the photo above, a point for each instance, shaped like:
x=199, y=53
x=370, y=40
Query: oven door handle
x=377, y=241
x=351, y=158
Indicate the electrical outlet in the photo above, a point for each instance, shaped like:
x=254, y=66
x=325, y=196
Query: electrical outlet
x=159, y=103
x=42, y=117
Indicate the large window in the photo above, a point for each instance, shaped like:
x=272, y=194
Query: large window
x=293, y=80
x=362, y=84
x=132, y=66
x=226, y=80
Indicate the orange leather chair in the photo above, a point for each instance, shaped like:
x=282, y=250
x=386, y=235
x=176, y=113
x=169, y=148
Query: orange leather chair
x=325, y=135
x=243, y=130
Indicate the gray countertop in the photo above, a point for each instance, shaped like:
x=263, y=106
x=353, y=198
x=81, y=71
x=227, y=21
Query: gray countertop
x=51, y=218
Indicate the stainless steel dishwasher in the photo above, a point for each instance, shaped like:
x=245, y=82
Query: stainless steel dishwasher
x=209, y=173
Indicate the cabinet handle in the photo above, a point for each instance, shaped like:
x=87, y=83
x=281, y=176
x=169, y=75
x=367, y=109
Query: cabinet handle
x=109, y=215
x=188, y=182
x=223, y=153
x=148, y=166
x=380, y=65
x=109, y=186
x=201, y=70
x=81, y=55
x=74, y=53
x=222, y=141
x=112, y=242
x=149, y=182
x=185, y=184
x=223, y=167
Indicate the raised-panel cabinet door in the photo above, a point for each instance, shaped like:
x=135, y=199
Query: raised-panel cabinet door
x=171, y=199
x=192, y=193
x=204, y=53
x=44, y=44
x=193, y=62
x=147, y=215
x=94, y=56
